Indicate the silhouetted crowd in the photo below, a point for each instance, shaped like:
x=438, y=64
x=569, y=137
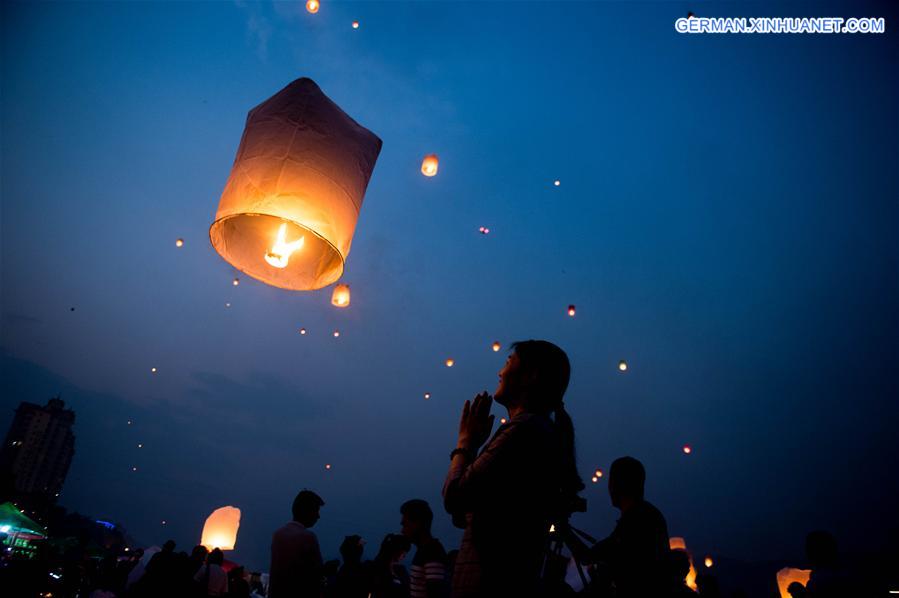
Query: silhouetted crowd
x=512, y=491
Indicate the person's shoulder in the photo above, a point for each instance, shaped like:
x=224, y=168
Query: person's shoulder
x=430, y=552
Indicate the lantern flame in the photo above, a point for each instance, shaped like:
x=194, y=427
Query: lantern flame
x=281, y=251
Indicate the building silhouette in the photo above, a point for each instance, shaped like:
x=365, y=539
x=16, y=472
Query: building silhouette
x=38, y=450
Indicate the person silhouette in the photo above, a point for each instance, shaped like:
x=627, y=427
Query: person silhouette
x=296, y=569
x=525, y=477
x=351, y=579
x=389, y=579
x=826, y=579
x=796, y=590
x=636, y=553
x=678, y=568
x=427, y=578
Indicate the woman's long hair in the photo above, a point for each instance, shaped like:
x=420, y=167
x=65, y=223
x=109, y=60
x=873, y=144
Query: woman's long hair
x=552, y=369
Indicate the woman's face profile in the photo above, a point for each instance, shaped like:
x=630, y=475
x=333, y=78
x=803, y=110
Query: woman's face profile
x=508, y=379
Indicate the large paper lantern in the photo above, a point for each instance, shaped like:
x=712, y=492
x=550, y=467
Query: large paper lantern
x=788, y=575
x=220, y=530
x=290, y=206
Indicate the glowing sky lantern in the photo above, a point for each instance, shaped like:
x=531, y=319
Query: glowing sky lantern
x=312, y=6
x=594, y=479
x=450, y=363
x=220, y=530
x=152, y=370
x=327, y=466
x=708, y=562
x=502, y=420
x=496, y=346
x=484, y=230
x=236, y=281
x=336, y=333
x=179, y=242
x=427, y=396
x=622, y=365
x=687, y=449
x=557, y=182
x=429, y=165
x=341, y=296
x=598, y=473
x=788, y=575
x=302, y=331
x=571, y=311
x=676, y=543
x=290, y=206
x=355, y=24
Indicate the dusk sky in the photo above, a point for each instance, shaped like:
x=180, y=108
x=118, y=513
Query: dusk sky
x=726, y=222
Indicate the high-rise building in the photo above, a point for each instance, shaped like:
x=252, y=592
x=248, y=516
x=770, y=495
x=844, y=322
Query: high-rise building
x=38, y=449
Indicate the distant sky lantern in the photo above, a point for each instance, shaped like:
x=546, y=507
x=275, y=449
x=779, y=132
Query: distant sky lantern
x=228, y=304
x=134, y=469
x=502, y=420
x=450, y=363
x=484, y=230
x=302, y=331
x=571, y=311
x=140, y=445
x=687, y=449
x=594, y=479
x=236, y=281
x=327, y=466
x=598, y=473
x=355, y=24
x=129, y=422
x=336, y=333
x=709, y=562
x=179, y=242
x=220, y=530
x=152, y=370
x=496, y=346
x=290, y=206
x=341, y=296
x=557, y=182
x=312, y=6
x=429, y=165
x=788, y=575
x=427, y=396
x=622, y=365
x=676, y=543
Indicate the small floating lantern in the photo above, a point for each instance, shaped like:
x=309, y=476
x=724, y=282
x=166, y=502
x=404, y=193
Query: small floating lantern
x=179, y=242
x=571, y=310
x=312, y=6
x=341, y=296
x=429, y=165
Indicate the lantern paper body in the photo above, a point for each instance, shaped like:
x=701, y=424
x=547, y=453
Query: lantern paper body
x=676, y=543
x=300, y=173
x=788, y=575
x=220, y=530
x=429, y=165
x=341, y=296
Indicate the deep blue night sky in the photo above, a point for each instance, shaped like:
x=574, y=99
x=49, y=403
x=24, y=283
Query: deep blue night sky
x=726, y=222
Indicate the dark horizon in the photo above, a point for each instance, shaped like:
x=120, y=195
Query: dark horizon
x=725, y=222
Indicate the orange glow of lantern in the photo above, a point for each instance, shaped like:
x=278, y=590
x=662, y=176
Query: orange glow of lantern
x=290, y=206
x=450, y=363
x=341, y=296
x=571, y=311
x=429, y=165
x=220, y=529
x=788, y=575
x=622, y=366
x=496, y=346
x=179, y=242
x=598, y=473
x=687, y=449
x=676, y=543
x=355, y=24
x=709, y=562
x=312, y=6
